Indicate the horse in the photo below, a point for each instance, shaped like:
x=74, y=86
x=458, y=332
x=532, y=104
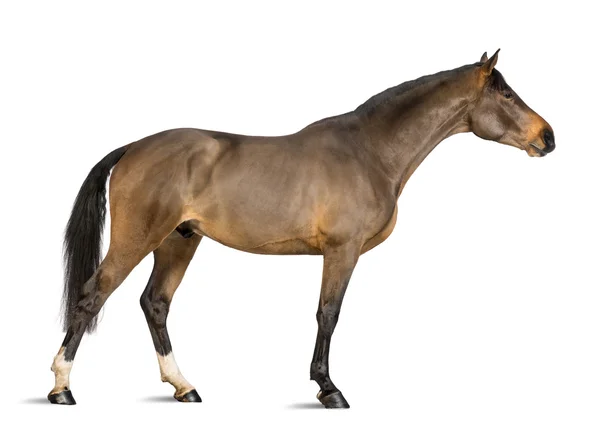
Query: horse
x=330, y=189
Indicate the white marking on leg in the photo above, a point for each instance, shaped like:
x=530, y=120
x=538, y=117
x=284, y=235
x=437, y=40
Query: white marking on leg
x=62, y=369
x=169, y=372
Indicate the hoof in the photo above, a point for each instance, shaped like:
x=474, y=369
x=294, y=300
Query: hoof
x=63, y=398
x=191, y=396
x=333, y=400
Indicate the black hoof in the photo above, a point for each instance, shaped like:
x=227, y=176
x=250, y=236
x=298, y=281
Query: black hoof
x=63, y=398
x=333, y=400
x=191, y=396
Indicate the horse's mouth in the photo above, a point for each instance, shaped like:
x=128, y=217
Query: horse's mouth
x=537, y=150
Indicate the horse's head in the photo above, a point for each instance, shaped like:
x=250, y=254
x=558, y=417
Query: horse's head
x=501, y=115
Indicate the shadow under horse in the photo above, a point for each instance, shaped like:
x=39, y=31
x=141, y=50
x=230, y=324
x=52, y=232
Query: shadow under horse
x=330, y=189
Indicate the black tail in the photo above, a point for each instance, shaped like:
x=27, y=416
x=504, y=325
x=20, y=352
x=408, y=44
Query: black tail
x=83, y=235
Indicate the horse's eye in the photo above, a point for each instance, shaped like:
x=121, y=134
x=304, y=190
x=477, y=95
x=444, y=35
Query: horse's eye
x=508, y=95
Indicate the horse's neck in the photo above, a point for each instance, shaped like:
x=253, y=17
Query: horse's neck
x=404, y=129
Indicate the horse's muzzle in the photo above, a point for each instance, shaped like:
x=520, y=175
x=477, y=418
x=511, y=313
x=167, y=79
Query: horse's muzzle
x=548, y=138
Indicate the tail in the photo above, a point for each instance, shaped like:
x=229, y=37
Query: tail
x=83, y=235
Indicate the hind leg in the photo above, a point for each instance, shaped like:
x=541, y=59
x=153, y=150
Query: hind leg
x=171, y=260
x=97, y=289
x=129, y=245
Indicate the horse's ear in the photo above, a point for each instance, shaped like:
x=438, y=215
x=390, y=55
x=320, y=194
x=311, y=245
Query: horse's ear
x=489, y=64
x=483, y=58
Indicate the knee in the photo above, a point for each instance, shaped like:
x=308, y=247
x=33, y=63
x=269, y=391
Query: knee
x=327, y=318
x=155, y=309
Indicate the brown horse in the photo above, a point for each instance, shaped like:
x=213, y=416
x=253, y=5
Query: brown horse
x=330, y=189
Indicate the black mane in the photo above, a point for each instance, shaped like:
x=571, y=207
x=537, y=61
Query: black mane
x=497, y=82
x=393, y=92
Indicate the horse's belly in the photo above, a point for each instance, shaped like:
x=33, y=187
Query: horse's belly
x=282, y=247
x=256, y=241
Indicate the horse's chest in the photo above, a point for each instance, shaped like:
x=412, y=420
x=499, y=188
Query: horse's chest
x=383, y=234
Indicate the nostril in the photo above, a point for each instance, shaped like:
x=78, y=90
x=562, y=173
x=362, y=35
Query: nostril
x=549, y=141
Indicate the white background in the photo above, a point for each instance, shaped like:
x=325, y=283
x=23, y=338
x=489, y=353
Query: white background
x=482, y=307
